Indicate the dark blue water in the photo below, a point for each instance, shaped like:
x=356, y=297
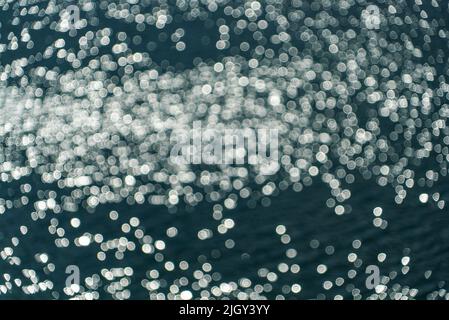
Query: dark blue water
x=415, y=230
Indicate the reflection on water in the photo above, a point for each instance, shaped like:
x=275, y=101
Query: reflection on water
x=356, y=90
